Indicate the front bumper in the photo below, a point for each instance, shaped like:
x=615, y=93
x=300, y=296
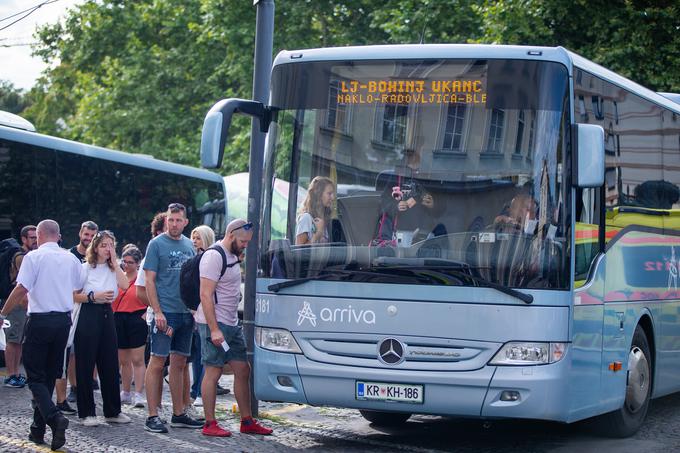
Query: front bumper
x=542, y=389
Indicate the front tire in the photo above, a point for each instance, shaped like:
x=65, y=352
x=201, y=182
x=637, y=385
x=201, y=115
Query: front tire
x=380, y=418
x=627, y=420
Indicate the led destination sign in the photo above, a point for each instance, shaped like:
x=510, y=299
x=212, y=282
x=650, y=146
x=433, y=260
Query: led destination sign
x=394, y=91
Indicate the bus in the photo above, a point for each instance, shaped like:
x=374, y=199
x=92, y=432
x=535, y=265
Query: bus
x=49, y=177
x=534, y=274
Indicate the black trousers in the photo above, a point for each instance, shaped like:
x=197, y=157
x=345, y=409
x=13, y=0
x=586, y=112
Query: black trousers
x=45, y=337
x=96, y=343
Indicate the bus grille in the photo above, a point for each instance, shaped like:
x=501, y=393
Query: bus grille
x=419, y=353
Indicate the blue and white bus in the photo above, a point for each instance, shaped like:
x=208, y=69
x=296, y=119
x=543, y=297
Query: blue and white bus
x=534, y=275
x=70, y=182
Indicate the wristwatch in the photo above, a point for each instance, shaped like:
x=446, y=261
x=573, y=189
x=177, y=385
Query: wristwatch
x=90, y=297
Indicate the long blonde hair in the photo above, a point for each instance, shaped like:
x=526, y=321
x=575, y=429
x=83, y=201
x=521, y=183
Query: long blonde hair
x=312, y=204
x=206, y=234
x=91, y=252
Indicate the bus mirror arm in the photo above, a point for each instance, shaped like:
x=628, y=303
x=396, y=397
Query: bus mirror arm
x=218, y=121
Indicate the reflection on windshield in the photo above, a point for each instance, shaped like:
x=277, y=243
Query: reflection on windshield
x=473, y=179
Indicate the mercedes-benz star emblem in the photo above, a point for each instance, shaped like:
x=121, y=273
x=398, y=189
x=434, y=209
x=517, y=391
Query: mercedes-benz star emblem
x=391, y=351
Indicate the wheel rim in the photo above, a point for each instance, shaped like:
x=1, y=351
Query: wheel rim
x=638, y=380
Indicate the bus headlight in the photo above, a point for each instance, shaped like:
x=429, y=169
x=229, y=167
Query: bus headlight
x=521, y=353
x=279, y=340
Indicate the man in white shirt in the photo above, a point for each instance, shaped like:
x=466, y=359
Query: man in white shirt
x=222, y=339
x=49, y=276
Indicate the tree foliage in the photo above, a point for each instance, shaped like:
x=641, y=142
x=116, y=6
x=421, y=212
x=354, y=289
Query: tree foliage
x=140, y=76
x=11, y=99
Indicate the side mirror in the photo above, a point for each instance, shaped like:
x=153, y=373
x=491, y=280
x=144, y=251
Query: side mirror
x=589, y=152
x=216, y=127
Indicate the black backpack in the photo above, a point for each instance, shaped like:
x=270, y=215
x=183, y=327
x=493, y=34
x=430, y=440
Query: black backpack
x=8, y=251
x=190, y=279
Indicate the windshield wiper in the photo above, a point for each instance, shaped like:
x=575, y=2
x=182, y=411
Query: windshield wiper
x=444, y=270
x=453, y=269
x=275, y=287
x=326, y=274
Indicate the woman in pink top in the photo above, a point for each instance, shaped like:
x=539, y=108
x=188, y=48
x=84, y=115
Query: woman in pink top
x=130, y=317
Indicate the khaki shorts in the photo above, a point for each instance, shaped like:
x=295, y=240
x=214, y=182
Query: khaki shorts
x=15, y=332
x=211, y=355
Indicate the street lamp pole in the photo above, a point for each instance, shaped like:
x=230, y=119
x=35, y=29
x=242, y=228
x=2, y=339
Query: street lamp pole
x=264, y=42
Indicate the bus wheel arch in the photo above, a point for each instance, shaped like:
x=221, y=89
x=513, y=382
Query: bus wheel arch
x=626, y=420
x=646, y=323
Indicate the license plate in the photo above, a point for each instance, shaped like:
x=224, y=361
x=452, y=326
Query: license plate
x=383, y=391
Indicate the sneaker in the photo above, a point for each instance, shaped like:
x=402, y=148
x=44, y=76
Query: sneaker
x=250, y=426
x=161, y=415
x=65, y=408
x=138, y=400
x=184, y=421
x=222, y=391
x=14, y=382
x=155, y=425
x=192, y=412
x=120, y=418
x=198, y=402
x=125, y=397
x=91, y=421
x=22, y=379
x=72, y=397
x=211, y=428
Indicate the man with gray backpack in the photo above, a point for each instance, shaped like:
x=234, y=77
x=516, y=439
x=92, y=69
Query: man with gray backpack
x=222, y=339
x=11, y=256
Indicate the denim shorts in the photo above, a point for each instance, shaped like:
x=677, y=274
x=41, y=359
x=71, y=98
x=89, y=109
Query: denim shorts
x=212, y=355
x=180, y=342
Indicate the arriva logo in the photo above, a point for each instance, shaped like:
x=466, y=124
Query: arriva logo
x=306, y=313
x=347, y=315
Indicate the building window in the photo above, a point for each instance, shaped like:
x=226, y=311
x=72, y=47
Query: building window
x=520, y=132
x=582, y=109
x=453, y=132
x=532, y=133
x=598, y=107
x=495, y=141
x=337, y=115
x=393, y=130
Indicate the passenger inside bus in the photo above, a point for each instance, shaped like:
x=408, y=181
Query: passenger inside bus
x=314, y=219
x=520, y=215
x=408, y=211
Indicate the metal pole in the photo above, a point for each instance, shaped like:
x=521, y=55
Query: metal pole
x=264, y=43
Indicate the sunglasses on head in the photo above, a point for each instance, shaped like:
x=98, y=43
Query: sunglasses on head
x=105, y=232
x=245, y=227
x=174, y=207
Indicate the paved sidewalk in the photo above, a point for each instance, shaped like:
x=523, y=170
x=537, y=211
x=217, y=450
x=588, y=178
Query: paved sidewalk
x=15, y=416
x=296, y=427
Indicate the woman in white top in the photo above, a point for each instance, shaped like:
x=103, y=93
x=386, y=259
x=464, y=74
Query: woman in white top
x=95, y=340
x=314, y=219
x=203, y=238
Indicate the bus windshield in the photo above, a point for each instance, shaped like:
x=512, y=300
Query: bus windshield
x=430, y=172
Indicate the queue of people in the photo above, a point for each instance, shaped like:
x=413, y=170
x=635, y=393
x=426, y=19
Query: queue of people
x=92, y=313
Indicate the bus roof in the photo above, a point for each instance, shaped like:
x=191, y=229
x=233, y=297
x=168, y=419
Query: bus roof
x=98, y=152
x=479, y=51
x=15, y=121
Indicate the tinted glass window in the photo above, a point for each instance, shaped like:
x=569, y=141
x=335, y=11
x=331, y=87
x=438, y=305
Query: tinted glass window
x=70, y=188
